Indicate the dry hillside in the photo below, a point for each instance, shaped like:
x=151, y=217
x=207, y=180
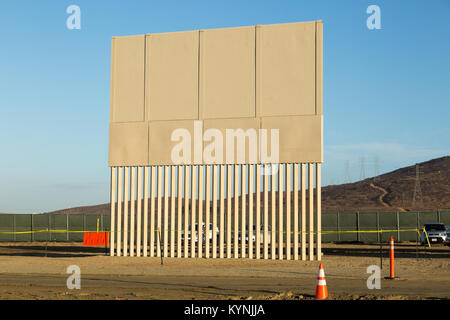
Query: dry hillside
x=394, y=190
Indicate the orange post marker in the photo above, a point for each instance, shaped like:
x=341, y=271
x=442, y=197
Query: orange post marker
x=321, y=288
x=391, y=252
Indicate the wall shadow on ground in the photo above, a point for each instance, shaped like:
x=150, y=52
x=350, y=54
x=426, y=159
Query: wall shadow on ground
x=52, y=251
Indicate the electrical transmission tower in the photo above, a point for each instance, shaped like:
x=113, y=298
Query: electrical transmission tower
x=377, y=168
x=417, y=197
x=362, y=174
x=347, y=172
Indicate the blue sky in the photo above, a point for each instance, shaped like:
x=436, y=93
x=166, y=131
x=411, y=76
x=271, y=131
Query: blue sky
x=386, y=92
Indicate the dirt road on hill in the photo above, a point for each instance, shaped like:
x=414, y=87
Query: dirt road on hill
x=381, y=198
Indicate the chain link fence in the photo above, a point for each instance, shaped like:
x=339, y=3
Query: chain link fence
x=50, y=227
x=336, y=226
x=376, y=226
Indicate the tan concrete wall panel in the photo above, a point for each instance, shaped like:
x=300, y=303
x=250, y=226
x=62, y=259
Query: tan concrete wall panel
x=127, y=73
x=285, y=72
x=172, y=75
x=300, y=137
x=128, y=144
x=160, y=143
x=210, y=75
x=227, y=73
x=236, y=123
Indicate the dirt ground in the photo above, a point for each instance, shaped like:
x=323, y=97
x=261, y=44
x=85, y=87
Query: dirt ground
x=32, y=271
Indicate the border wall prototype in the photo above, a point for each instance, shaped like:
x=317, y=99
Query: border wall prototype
x=216, y=143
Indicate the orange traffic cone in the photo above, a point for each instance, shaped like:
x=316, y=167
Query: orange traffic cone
x=321, y=288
